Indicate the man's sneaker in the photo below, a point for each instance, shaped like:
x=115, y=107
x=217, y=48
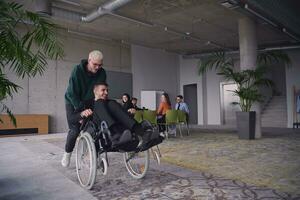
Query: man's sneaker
x=65, y=162
x=162, y=134
x=145, y=138
x=146, y=124
x=125, y=137
x=117, y=139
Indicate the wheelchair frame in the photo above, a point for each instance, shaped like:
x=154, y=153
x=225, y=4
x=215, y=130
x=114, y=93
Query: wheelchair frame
x=87, y=156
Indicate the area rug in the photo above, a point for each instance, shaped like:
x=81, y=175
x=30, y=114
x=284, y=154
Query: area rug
x=272, y=162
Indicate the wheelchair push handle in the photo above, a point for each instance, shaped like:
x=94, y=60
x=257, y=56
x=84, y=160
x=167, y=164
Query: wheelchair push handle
x=84, y=122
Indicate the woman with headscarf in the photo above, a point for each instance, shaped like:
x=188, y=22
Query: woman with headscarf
x=126, y=103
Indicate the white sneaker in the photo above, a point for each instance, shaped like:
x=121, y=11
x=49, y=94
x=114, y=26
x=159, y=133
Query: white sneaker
x=140, y=142
x=162, y=134
x=65, y=162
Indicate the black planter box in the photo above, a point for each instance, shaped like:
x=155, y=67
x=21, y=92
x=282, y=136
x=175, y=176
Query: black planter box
x=246, y=124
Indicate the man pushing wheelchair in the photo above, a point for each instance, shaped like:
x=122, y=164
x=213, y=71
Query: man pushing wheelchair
x=89, y=78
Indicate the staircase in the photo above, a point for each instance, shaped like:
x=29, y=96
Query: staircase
x=275, y=113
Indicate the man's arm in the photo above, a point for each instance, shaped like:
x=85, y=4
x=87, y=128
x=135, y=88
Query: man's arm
x=186, y=108
x=73, y=91
x=175, y=107
x=79, y=115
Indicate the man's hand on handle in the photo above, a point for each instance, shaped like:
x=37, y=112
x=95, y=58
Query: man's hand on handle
x=86, y=113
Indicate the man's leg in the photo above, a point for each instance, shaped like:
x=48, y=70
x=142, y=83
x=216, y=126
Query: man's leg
x=72, y=136
x=102, y=113
x=73, y=130
x=120, y=115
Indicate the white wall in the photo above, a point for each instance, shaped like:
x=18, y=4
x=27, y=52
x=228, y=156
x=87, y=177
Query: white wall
x=45, y=94
x=292, y=79
x=208, y=85
x=189, y=75
x=154, y=69
x=213, y=98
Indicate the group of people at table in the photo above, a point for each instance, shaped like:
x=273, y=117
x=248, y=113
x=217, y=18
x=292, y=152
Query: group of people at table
x=130, y=105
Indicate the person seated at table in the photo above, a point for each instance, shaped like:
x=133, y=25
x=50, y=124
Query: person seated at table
x=134, y=108
x=126, y=103
x=134, y=103
x=164, y=106
x=181, y=105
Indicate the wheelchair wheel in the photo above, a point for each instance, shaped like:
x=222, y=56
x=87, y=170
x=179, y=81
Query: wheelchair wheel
x=102, y=165
x=156, y=156
x=86, y=160
x=137, y=164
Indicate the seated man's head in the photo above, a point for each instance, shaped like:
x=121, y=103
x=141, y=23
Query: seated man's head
x=134, y=101
x=101, y=91
x=179, y=98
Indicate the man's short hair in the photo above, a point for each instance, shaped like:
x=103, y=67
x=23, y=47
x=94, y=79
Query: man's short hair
x=96, y=55
x=133, y=98
x=100, y=83
x=180, y=96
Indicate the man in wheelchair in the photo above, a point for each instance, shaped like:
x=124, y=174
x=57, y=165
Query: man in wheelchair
x=122, y=127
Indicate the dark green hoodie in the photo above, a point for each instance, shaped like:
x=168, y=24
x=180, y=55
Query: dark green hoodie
x=81, y=84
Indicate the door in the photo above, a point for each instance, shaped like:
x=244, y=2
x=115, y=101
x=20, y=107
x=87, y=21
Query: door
x=228, y=109
x=190, y=97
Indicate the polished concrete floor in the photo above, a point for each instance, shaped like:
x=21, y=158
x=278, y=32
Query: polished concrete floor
x=205, y=165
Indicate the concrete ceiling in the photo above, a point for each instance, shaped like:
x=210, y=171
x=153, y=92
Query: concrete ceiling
x=181, y=26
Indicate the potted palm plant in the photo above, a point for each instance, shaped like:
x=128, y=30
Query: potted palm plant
x=24, y=52
x=248, y=84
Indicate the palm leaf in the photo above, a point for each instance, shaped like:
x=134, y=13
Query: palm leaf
x=16, y=50
x=248, y=81
x=7, y=88
x=10, y=114
x=215, y=61
x=269, y=57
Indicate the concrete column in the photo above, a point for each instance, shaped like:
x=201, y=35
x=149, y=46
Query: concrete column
x=248, y=55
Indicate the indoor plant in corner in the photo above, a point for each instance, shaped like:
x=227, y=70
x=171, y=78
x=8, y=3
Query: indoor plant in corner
x=248, y=84
x=27, y=41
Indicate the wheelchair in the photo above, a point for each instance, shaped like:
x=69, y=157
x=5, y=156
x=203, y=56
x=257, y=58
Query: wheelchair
x=94, y=143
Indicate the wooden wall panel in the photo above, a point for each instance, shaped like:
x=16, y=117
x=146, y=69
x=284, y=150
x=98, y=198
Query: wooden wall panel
x=39, y=121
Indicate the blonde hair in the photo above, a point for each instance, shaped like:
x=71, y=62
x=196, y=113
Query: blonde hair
x=96, y=55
